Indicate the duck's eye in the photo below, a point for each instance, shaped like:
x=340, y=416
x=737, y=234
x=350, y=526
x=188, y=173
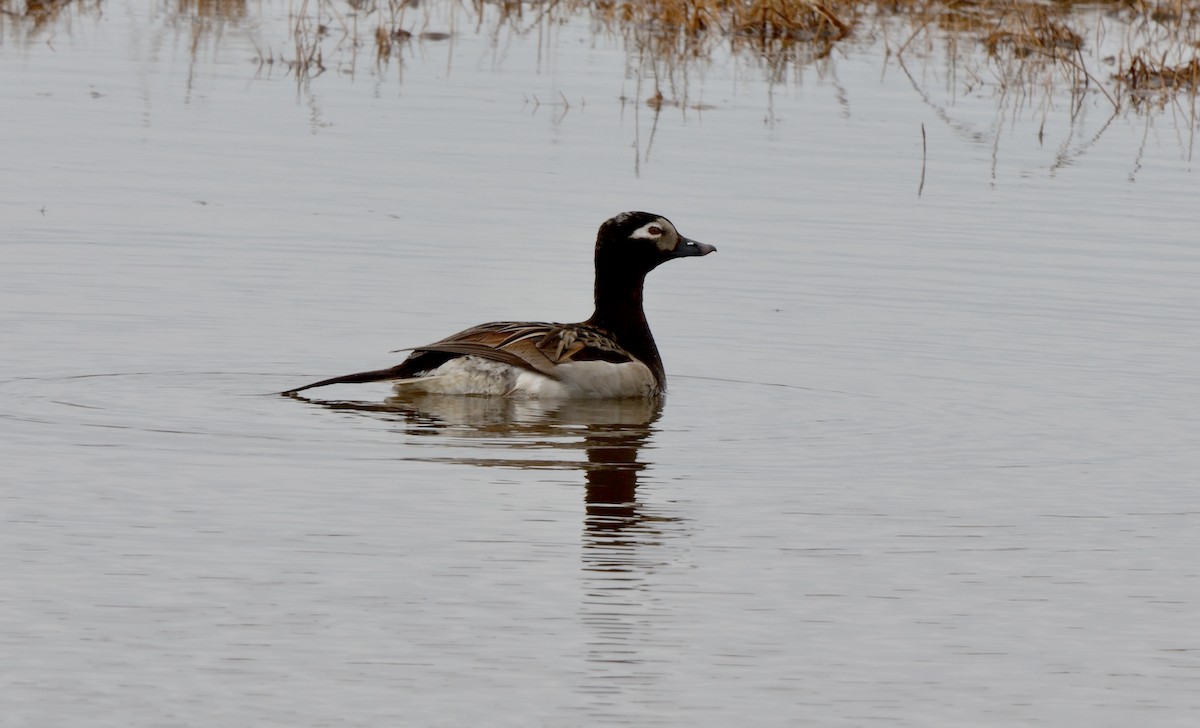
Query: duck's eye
x=649, y=231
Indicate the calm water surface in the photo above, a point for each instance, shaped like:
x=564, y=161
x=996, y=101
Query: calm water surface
x=926, y=460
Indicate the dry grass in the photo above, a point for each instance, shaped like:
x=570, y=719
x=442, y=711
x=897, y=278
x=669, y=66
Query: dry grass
x=1167, y=64
x=1027, y=43
x=31, y=17
x=1144, y=74
x=220, y=9
x=1029, y=29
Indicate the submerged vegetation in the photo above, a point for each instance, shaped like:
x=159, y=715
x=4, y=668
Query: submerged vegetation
x=1135, y=53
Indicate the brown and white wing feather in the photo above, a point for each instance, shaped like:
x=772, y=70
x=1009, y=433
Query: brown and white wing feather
x=539, y=347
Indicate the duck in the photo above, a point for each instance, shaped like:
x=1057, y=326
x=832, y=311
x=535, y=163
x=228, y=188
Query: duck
x=610, y=355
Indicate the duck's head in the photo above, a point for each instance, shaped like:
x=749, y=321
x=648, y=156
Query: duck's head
x=641, y=241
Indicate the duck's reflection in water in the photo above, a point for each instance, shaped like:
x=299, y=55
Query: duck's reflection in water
x=606, y=440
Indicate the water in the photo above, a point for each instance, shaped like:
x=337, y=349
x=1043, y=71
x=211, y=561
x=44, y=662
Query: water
x=926, y=460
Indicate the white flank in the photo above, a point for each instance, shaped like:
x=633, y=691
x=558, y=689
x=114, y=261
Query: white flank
x=586, y=379
x=607, y=379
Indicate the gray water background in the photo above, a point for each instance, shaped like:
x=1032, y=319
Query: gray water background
x=927, y=460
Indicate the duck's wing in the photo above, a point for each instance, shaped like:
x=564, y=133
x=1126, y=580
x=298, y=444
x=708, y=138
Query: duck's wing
x=536, y=346
x=539, y=347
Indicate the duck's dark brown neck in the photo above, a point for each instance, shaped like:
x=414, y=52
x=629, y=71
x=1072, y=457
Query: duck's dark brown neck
x=619, y=312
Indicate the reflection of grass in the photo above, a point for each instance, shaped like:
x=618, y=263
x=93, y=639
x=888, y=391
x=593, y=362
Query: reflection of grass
x=1028, y=43
x=221, y=9
x=34, y=16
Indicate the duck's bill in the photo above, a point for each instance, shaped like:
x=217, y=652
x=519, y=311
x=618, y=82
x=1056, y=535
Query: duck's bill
x=688, y=247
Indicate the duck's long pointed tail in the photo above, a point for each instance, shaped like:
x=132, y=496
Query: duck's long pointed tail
x=397, y=372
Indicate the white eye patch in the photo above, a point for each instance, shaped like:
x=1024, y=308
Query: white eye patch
x=649, y=231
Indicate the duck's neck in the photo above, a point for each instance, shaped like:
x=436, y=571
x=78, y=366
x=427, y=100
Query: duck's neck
x=619, y=311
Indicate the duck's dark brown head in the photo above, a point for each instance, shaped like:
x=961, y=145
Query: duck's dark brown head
x=638, y=242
